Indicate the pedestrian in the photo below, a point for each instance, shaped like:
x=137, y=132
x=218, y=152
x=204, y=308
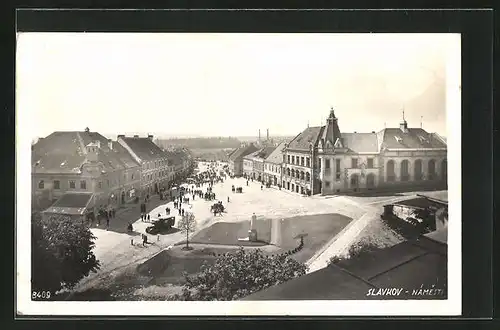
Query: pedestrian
x=107, y=223
x=149, y=217
x=179, y=211
x=182, y=212
x=144, y=240
x=228, y=199
x=260, y=187
x=167, y=211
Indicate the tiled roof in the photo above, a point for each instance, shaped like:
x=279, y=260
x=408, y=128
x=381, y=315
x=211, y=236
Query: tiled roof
x=260, y=154
x=408, y=265
x=144, y=148
x=64, y=152
x=276, y=157
x=70, y=203
x=413, y=138
x=309, y=135
x=360, y=142
x=243, y=151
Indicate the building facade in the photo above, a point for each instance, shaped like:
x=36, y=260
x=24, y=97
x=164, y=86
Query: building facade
x=82, y=162
x=236, y=159
x=248, y=170
x=272, y=166
x=323, y=160
x=256, y=160
x=156, y=170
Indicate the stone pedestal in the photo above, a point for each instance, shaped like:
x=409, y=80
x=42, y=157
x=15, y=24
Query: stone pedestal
x=252, y=235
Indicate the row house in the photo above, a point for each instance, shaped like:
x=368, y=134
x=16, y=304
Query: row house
x=182, y=162
x=156, y=169
x=323, y=160
x=84, y=170
x=236, y=159
x=273, y=164
x=255, y=161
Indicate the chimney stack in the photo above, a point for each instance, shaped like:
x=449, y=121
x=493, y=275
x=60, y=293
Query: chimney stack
x=121, y=136
x=259, y=134
x=267, y=134
x=136, y=136
x=150, y=137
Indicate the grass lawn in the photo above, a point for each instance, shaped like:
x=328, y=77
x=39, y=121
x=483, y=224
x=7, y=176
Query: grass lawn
x=227, y=233
x=319, y=228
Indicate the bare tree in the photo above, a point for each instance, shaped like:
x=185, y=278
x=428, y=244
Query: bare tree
x=187, y=225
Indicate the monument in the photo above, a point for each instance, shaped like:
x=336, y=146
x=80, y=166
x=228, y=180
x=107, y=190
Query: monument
x=252, y=233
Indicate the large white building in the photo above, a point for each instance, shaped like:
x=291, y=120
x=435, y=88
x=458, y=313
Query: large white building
x=323, y=160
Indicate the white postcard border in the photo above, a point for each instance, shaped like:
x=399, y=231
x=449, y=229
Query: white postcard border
x=451, y=306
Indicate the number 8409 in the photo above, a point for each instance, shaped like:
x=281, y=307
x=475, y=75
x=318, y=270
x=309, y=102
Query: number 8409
x=40, y=295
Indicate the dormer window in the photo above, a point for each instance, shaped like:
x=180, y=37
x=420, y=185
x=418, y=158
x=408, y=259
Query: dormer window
x=399, y=139
x=423, y=139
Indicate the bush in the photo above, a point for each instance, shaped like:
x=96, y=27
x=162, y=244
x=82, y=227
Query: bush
x=234, y=276
x=355, y=250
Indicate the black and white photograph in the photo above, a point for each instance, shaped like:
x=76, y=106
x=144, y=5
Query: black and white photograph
x=238, y=173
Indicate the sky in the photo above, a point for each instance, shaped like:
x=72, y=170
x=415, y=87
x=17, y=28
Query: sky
x=230, y=84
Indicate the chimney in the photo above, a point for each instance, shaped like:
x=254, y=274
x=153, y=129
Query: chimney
x=150, y=137
x=259, y=134
x=87, y=130
x=136, y=136
x=121, y=136
x=110, y=144
x=267, y=135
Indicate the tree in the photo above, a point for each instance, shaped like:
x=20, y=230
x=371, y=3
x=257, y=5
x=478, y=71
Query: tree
x=187, y=225
x=61, y=253
x=236, y=275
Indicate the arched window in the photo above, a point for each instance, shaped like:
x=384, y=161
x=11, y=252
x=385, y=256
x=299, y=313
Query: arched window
x=370, y=180
x=444, y=170
x=293, y=173
x=288, y=171
x=308, y=177
x=431, y=168
x=391, y=175
x=302, y=175
x=418, y=170
x=405, y=174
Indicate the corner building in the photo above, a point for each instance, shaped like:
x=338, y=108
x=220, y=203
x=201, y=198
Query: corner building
x=322, y=160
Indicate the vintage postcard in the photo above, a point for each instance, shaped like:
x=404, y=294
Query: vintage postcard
x=238, y=174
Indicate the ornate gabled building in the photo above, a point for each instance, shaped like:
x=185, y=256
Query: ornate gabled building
x=84, y=163
x=324, y=160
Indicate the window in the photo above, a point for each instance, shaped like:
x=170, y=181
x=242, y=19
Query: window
x=337, y=176
x=302, y=161
x=369, y=163
x=99, y=184
x=132, y=176
x=83, y=184
x=293, y=160
x=288, y=159
x=327, y=184
x=41, y=184
x=57, y=184
x=72, y=184
x=354, y=163
x=327, y=164
x=308, y=162
x=319, y=164
x=337, y=165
